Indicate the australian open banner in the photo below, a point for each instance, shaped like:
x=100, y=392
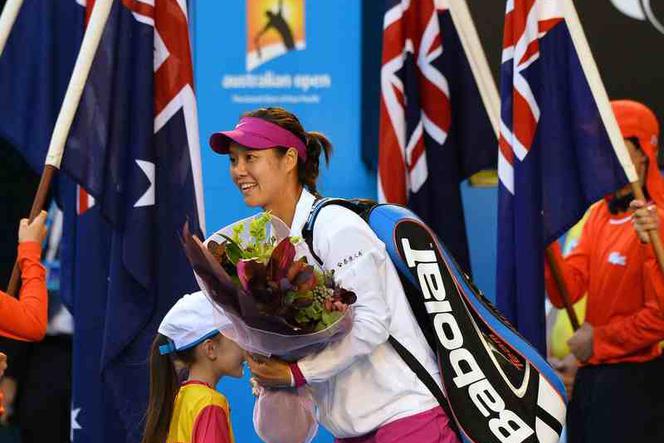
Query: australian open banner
x=300, y=55
x=297, y=54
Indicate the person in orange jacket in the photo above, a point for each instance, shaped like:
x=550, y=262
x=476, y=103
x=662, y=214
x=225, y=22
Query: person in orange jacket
x=619, y=387
x=26, y=318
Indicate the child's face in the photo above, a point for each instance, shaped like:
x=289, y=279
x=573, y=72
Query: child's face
x=229, y=357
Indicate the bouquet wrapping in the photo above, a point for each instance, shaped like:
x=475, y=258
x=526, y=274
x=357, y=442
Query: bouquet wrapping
x=276, y=407
x=279, y=305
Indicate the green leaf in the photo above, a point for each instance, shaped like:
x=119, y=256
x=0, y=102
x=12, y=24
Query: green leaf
x=289, y=298
x=301, y=317
x=308, y=313
x=328, y=318
x=237, y=232
x=233, y=250
x=258, y=228
x=320, y=278
x=317, y=308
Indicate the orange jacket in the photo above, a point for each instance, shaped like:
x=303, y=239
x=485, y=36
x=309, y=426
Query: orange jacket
x=623, y=282
x=26, y=318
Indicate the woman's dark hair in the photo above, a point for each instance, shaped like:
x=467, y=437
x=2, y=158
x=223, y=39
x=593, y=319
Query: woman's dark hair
x=164, y=384
x=315, y=142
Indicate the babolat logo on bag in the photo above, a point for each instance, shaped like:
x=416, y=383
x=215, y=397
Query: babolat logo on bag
x=495, y=391
x=498, y=388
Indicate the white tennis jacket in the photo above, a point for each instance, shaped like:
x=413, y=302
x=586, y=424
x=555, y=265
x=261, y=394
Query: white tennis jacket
x=360, y=383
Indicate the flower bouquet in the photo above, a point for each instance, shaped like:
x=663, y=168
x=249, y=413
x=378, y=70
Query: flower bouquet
x=279, y=305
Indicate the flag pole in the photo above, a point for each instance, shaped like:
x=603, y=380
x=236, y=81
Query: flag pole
x=86, y=55
x=470, y=41
x=486, y=85
x=7, y=19
x=562, y=288
x=591, y=71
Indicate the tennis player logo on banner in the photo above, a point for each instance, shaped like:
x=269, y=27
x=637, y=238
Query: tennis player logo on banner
x=274, y=28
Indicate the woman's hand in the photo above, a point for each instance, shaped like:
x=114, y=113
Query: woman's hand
x=645, y=219
x=270, y=372
x=35, y=231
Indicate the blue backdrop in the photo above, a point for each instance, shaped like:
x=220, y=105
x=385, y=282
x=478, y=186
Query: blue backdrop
x=331, y=63
x=320, y=84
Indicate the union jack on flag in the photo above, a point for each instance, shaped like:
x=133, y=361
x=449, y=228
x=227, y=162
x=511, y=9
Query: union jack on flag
x=555, y=158
x=434, y=131
x=525, y=23
x=412, y=42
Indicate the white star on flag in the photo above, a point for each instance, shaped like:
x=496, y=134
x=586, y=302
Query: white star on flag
x=148, y=169
x=74, y=423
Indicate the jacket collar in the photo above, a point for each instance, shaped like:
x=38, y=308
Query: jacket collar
x=302, y=210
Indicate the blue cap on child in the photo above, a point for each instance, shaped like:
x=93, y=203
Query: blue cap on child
x=192, y=320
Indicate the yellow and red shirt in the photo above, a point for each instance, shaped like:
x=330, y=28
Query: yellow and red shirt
x=201, y=415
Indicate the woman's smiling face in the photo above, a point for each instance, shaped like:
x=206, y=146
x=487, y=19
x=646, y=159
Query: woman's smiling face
x=261, y=175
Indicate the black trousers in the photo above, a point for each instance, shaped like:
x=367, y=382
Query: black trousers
x=621, y=402
x=43, y=410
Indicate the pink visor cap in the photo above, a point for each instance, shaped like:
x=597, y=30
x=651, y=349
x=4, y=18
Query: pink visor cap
x=256, y=133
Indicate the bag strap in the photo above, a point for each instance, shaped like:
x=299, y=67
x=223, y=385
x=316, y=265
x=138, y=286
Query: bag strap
x=355, y=205
x=308, y=229
x=426, y=378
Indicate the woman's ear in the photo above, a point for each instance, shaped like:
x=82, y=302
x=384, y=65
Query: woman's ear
x=291, y=159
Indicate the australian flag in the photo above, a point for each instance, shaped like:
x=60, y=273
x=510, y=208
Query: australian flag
x=434, y=129
x=555, y=158
x=133, y=155
x=134, y=151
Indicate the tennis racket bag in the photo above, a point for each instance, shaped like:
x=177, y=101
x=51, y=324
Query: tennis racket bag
x=496, y=386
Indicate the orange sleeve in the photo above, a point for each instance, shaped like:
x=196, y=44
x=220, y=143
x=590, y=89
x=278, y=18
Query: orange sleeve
x=643, y=328
x=26, y=318
x=574, y=269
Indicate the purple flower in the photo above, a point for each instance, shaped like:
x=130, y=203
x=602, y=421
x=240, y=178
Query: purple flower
x=281, y=260
x=252, y=275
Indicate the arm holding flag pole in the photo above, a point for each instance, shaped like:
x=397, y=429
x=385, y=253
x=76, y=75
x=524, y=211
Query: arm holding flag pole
x=608, y=118
x=86, y=55
x=7, y=19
